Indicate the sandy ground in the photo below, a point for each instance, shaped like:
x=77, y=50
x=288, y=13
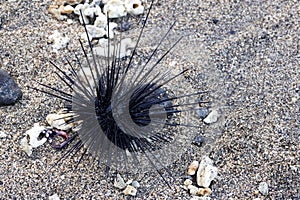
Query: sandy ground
x=250, y=48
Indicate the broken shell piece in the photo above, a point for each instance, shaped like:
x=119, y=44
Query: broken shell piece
x=34, y=142
x=134, y=7
x=212, y=117
x=119, y=182
x=204, y=191
x=206, y=172
x=193, y=168
x=66, y=9
x=115, y=9
x=130, y=190
x=60, y=121
x=34, y=133
x=193, y=189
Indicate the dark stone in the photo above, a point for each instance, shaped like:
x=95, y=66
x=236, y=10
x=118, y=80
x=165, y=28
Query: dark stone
x=203, y=112
x=198, y=140
x=10, y=93
x=215, y=21
x=232, y=32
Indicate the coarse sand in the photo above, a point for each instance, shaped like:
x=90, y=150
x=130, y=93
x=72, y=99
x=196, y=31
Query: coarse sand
x=251, y=49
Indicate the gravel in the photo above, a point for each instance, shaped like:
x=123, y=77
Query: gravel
x=251, y=52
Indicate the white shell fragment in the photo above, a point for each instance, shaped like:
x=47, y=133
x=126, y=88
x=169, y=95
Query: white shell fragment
x=58, y=40
x=134, y=7
x=59, y=121
x=193, y=168
x=206, y=172
x=119, y=182
x=130, y=190
x=33, y=134
x=212, y=117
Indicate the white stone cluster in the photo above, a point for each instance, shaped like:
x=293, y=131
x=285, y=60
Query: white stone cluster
x=91, y=11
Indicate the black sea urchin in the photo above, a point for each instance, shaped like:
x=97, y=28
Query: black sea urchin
x=128, y=110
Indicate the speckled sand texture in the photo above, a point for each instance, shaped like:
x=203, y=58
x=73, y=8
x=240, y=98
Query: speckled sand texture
x=253, y=47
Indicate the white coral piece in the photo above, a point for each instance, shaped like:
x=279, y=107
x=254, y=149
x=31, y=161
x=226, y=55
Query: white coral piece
x=115, y=9
x=134, y=7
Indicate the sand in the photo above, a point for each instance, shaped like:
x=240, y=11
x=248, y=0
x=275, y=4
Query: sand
x=251, y=51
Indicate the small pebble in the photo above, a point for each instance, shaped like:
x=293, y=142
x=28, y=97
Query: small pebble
x=130, y=190
x=193, y=168
x=203, y=112
x=119, y=182
x=135, y=184
x=198, y=140
x=263, y=188
x=212, y=117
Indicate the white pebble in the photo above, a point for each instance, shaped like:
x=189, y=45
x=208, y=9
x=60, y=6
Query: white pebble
x=119, y=182
x=263, y=188
x=212, y=117
x=135, y=184
x=130, y=190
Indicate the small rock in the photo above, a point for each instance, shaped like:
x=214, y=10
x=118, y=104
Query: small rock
x=130, y=190
x=203, y=112
x=54, y=197
x=193, y=168
x=206, y=172
x=212, y=117
x=119, y=182
x=94, y=32
x=198, y=140
x=135, y=184
x=10, y=93
x=263, y=188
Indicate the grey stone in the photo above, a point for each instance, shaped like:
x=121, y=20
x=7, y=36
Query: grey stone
x=10, y=93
